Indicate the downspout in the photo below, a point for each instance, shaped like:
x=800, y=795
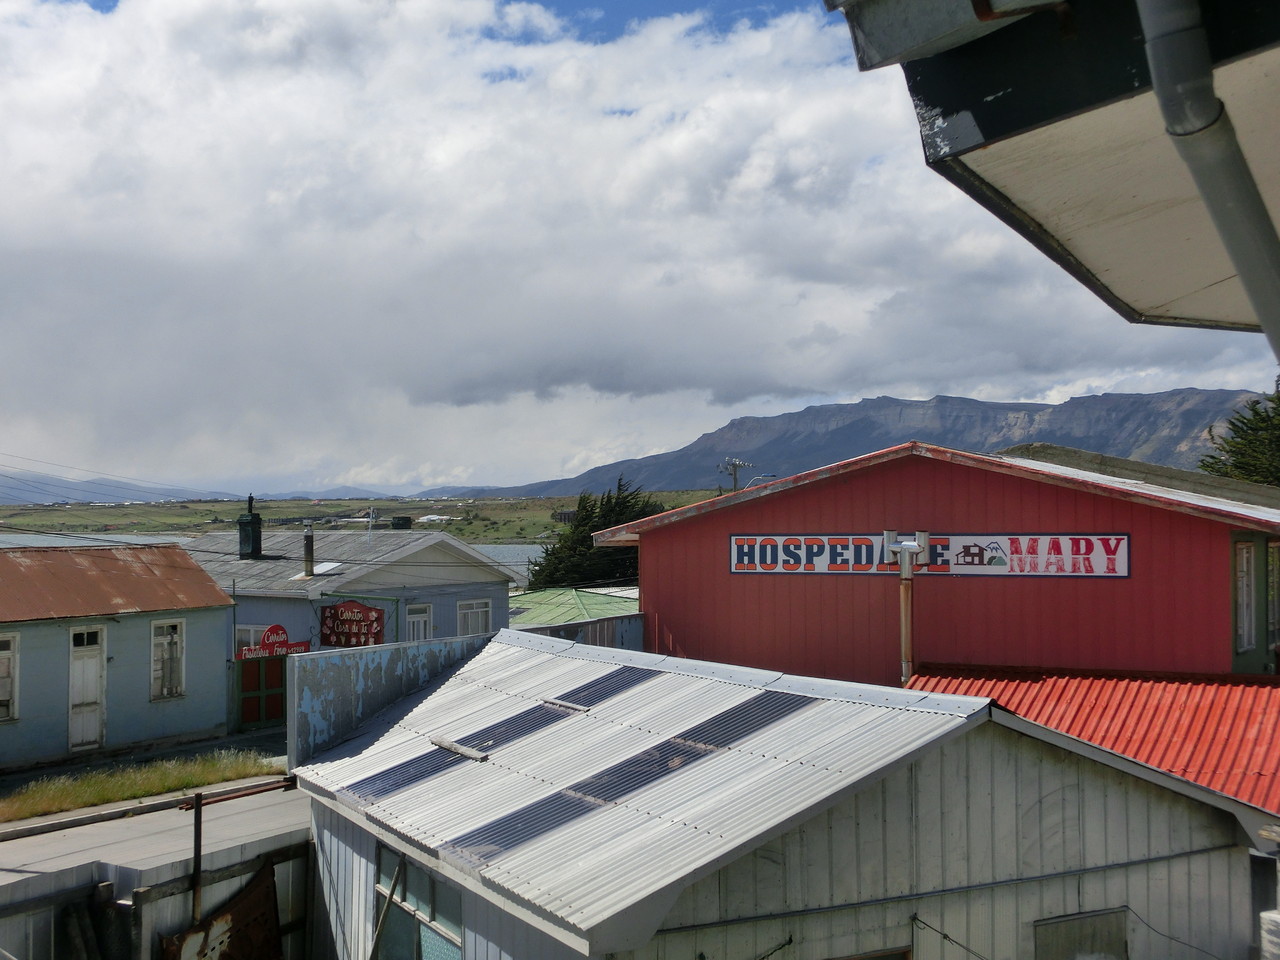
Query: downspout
x=1197, y=121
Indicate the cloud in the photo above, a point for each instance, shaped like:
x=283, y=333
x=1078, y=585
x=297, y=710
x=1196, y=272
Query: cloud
x=460, y=242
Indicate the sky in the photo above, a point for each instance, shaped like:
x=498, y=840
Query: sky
x=269, y=245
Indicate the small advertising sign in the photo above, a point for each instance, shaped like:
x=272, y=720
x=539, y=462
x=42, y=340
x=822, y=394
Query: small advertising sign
x=972, y=554
x=351, y=624
x=273, y=643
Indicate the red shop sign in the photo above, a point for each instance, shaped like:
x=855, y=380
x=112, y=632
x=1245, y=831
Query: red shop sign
x=351, y=624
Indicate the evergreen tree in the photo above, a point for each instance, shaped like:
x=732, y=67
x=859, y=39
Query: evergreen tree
x=574, y=561
x=1250, y=448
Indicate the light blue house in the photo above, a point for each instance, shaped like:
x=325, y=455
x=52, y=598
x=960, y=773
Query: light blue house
x=108, y=647
x=297, y=591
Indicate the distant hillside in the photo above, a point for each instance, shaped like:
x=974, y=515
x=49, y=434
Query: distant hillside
x=23, y=487
x=1168, y=428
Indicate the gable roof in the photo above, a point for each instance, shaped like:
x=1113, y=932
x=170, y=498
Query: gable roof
x=1219, y=732
x=341, y=558
x=1206, y=498
x=53, y=583
x=584, y=788
x=556, y=605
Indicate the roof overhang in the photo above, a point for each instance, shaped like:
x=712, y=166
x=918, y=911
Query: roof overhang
x=1048, y=120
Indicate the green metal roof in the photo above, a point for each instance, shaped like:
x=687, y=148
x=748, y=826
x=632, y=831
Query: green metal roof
x=569, y=605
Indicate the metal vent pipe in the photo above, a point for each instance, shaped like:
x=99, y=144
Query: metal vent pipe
x=1182, y=80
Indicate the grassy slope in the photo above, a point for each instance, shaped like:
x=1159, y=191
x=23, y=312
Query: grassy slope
x=476, y=521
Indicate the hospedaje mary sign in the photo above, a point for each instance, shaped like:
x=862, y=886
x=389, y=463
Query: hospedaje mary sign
x=972, y=554
x=351, y=624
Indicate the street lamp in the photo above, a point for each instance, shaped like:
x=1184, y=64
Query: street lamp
x=763, y=476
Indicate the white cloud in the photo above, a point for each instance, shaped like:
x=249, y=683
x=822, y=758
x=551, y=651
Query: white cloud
x=377, y=242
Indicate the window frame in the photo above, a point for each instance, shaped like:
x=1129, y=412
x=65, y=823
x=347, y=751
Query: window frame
x=255, y=632
x=10, y=642
x=419, y=615
x=176, y=637
x=1245, y=595
x=396, y=888
x=471, y=609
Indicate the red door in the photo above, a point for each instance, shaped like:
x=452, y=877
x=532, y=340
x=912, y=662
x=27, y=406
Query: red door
x=262, y=692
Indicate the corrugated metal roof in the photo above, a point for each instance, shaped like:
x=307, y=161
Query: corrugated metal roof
x=10, y=540
x=539, y=608
x=64, y=582
x=1197, y=503
x=340, y=558
x=1219, y=732
x=759, y=752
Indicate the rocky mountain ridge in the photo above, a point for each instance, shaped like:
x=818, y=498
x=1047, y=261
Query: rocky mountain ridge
x=1169, y=428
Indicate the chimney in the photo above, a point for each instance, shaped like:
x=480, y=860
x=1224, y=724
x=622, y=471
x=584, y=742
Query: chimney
x=250, y=524
x=308, y=551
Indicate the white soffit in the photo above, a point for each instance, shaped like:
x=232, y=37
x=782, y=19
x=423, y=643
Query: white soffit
x=1109, y=186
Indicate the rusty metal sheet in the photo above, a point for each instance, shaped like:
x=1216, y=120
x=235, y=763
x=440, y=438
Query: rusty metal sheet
x=246, y=928
x=63, y=582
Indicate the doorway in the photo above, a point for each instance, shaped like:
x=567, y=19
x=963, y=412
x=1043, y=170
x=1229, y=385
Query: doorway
x=87, y=689
x=261, y=692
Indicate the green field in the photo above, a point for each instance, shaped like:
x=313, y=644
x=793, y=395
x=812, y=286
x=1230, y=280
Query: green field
x=497, y=520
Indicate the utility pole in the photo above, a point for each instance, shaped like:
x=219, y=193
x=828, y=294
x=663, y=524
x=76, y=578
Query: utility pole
x=731, y=466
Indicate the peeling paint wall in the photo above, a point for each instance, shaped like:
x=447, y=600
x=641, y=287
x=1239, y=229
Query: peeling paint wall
x=332, y=692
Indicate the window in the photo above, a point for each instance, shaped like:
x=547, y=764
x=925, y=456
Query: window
x=423, y=915
x=419, y=615
x=82, y=639
x=166, y=659
x=1273, y=595
x=248, y=636
x=8, y=676
x=473, y=617
x=1103, y=935
x=1246, y=631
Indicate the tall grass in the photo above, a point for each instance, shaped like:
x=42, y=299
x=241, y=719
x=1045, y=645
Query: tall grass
x=131, y=781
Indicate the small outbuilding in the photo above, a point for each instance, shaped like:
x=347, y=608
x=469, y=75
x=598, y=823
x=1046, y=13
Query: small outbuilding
x=1050, y=558
x=550, y=800
x=108, y=647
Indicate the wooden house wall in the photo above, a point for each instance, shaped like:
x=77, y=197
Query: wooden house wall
x=1172, y=613
x=979, y=838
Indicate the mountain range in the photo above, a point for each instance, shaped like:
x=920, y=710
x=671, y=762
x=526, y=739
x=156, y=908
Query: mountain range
x=1169, y=428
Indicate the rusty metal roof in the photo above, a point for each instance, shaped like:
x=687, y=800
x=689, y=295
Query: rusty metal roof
x=1219, y=732
x=1227, y=507
x=63, y=582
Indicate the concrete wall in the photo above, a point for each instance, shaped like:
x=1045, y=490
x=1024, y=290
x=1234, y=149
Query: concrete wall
x=331, y=692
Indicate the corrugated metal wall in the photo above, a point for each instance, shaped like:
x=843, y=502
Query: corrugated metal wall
x=1172, y=613
x=980, y=839
x=346, y=856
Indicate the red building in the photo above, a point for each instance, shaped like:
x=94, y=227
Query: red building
x=1070, y=561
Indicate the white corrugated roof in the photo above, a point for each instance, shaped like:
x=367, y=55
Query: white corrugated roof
x=608, y=874
x=1155, y=491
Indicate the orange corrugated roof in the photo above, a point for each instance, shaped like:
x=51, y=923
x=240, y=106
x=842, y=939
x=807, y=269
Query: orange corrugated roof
x=1219, y=732
x=64, y=582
